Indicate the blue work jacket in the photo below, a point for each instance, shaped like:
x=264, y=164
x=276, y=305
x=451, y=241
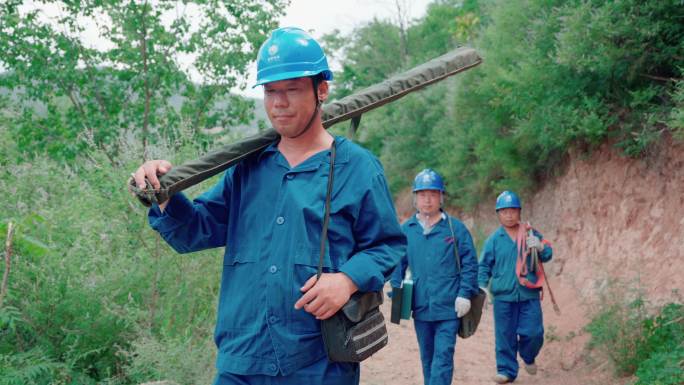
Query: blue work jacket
x=436, y=278
x=498, y=261
x=269, y=216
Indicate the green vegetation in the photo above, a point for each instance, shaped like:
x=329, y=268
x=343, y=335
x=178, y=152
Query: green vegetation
x=647, y=344
x=95, y=297
x=73, y=95
x=556, y=75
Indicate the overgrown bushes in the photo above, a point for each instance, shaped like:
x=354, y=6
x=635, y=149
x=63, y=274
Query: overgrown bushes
x=94, y=297
x=556, y=75
x=639, y=340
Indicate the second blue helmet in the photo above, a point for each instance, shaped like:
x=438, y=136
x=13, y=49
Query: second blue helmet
x=507, y=199
x=428, y=179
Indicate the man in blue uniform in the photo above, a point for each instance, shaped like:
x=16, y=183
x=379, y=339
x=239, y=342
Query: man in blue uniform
x=268, y=212
x=518, y=324
x=442, y=290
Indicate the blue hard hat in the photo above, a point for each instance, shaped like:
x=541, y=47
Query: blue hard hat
x=507, y=199
x=290, y=53
x=428, y=179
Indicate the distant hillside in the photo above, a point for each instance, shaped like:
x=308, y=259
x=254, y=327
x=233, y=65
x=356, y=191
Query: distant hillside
x=259, y=115
x=177, y=101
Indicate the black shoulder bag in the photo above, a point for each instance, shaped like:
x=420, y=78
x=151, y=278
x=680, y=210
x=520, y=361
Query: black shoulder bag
x=357, y=330
x=469, y=322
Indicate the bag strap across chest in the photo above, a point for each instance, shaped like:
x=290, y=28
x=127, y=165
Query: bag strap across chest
x=453, y=237
x=326, y=216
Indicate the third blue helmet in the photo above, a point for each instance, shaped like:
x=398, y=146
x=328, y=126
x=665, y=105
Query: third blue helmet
x=507, y=199
x=290, y=53
x=428, y=179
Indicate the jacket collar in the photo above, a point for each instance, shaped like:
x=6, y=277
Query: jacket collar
x=315, y=161
x=413, y=221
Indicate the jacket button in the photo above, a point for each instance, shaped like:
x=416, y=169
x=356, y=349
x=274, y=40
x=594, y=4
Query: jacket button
x=273, y=269
x=289, y=176
x=280, y=220
x=272, y=319
x=272, y=367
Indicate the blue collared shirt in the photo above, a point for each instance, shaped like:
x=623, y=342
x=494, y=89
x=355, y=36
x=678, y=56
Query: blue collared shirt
x=269, y=216
x=498, y=261
x=436, y=277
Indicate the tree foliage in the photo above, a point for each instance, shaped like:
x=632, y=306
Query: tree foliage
x=131, y=76
x=556, y=75
x=94, y=296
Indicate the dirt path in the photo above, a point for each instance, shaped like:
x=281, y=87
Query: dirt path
x=611, y=221
x=561, y=362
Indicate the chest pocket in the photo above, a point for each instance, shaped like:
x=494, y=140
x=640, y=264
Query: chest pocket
x=504, y=262
x=232, y=258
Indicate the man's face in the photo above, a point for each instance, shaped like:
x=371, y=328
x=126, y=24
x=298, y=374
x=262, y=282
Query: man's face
x=428, y=202
x=509, y=217
x=291, y=103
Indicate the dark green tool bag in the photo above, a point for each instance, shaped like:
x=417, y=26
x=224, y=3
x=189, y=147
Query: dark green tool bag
x=397, y=301
x=469, y=322
x=357, y=330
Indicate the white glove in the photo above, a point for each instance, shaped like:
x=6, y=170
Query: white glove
x=533, y=242
x=462, y=306
x=490, y=298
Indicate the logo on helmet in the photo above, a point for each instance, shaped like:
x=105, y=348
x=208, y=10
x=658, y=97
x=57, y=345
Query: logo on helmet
x=273, y=54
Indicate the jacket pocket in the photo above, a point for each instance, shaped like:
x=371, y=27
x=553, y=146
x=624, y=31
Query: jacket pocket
x=305, y=266
x=238, y=308
x=234, y=257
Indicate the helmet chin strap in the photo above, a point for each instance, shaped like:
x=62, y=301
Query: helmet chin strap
x=315, y=111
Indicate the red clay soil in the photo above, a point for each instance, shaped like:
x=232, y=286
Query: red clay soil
x=609, y=218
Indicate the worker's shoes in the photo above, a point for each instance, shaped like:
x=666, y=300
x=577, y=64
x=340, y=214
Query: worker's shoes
x=531, y=369
x=502, y=379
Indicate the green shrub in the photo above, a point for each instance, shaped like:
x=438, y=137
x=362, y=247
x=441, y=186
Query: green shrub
x=617, y=329
x=638, y=342
x=555, y=75
x=676, y=119
x=663, y=346
x=182, y=359
x=29, y=367
x=91, y=282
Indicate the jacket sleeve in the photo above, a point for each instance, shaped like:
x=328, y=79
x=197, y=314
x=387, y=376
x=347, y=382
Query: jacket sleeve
x=547, y=253
x=468, y=255
x=379, y=239
x=399, y=272
x=192, y=226
x=486, y=264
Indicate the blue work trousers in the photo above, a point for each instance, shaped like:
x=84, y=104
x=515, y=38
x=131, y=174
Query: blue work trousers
x=437, y=341
x=518, y=328
x=321, y=372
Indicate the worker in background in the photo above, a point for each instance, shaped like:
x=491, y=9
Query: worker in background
x=441, y=291
x=508, y=275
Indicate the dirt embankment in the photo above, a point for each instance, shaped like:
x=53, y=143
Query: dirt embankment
x=609, y=218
